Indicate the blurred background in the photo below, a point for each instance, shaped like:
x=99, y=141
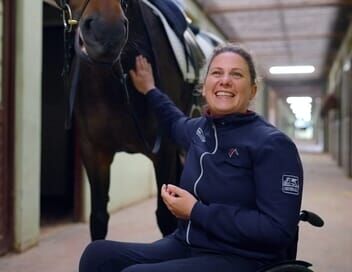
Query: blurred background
x=303, y=53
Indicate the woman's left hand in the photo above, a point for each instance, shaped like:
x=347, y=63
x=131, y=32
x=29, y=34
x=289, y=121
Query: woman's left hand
x=180, y=202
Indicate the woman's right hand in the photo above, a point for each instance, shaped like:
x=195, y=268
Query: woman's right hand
x=179, y=201
x=142, y=76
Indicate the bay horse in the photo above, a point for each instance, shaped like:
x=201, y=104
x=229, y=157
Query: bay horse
x=109, y=32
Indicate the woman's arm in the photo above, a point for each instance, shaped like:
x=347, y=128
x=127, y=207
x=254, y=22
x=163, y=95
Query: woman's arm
x=173, y=120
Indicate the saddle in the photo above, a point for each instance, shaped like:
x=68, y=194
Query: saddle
x=187, y=48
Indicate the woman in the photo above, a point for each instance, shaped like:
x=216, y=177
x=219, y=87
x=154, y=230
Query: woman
x=240, y=191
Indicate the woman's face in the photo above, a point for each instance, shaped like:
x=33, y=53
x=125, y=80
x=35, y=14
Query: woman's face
x=227, y=87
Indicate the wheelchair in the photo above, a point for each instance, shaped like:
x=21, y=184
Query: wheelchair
x=293, y=265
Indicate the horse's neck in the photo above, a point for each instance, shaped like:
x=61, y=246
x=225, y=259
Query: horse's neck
x=97, y=83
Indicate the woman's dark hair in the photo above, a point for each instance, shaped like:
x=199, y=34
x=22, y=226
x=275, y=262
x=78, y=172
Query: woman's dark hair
x=237, y=49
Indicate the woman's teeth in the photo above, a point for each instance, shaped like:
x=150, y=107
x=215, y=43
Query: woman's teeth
x=221, y=93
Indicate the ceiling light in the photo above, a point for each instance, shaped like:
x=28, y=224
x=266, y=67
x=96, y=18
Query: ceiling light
x=298, y=69
x=299, y=99
x=301, y=107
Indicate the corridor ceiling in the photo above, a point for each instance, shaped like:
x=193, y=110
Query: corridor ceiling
x=284, y=32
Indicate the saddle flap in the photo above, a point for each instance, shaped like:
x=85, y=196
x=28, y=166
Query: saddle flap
x=185, y=47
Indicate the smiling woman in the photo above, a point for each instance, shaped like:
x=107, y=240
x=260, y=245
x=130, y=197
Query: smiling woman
x=236, y=209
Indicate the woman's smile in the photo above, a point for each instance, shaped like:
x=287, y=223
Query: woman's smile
x=224, y=94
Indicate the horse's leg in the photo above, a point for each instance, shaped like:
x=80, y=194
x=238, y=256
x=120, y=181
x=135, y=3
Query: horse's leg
x=97, y=164
x=167, y=171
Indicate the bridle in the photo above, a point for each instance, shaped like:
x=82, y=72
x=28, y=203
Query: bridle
x=67, y=17
x=69, y=23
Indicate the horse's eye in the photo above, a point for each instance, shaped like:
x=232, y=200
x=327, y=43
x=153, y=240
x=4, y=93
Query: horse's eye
x=124, y=4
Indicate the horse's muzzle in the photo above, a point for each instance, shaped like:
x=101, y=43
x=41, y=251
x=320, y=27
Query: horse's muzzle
x=103, y=41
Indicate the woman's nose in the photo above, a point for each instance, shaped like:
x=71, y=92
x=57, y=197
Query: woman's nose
x=225, y=80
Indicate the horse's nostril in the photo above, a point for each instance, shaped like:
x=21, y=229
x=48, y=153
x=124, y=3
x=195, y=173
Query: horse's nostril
x=87, y=24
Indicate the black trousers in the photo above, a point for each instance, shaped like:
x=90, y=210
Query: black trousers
x=165, y=255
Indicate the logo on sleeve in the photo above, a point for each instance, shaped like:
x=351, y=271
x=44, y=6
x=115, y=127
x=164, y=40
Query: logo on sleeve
x=201, y=135
x=290, y=184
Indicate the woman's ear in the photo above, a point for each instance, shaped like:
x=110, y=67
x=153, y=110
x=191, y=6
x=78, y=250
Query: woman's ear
x=253, y=91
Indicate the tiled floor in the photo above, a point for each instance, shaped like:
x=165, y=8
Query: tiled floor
x=327, y=192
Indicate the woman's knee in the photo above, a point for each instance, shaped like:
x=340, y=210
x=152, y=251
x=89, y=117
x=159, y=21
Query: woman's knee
x=139, y=268
x=94, y=255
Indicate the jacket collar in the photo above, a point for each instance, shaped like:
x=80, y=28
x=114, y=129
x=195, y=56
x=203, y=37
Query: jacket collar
x=235, y=118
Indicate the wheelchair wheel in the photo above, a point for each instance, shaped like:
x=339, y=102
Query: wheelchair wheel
x=288, y=266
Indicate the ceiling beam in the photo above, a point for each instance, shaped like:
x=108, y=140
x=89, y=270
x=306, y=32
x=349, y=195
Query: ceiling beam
x=300, y=37
x=217, y=8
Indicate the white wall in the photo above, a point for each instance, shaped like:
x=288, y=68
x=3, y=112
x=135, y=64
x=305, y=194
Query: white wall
x=27, y=122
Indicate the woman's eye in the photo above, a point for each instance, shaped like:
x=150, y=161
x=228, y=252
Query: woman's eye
x=236, y=75
x=216, y=73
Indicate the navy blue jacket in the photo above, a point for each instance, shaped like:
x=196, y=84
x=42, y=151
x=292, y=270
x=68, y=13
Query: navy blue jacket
x=246, y=175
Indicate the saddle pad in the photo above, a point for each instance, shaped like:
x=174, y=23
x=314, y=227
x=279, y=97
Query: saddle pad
x=207, y=42
x=187, y=70
x=173, y=14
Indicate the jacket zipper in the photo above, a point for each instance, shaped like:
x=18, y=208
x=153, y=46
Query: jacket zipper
x=200, y=176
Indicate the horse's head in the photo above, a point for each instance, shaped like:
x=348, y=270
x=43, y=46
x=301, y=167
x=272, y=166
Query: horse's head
x=102, y=29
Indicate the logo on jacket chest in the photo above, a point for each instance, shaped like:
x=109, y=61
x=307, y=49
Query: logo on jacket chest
x=233, y=152
x=200, y=134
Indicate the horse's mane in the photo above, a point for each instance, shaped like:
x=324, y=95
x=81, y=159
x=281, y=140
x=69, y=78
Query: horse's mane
x=139, y=41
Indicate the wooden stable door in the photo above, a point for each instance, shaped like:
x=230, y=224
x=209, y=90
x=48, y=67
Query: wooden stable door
x=6, y=121
x=4, y=211
x=2, y=183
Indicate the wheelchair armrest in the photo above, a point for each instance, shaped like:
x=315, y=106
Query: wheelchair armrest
x=311, y=218
x=287, y=266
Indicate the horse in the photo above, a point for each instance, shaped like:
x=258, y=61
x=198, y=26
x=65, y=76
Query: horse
x=111, y=116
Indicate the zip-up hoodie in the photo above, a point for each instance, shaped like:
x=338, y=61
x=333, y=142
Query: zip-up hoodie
x=247, y=177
